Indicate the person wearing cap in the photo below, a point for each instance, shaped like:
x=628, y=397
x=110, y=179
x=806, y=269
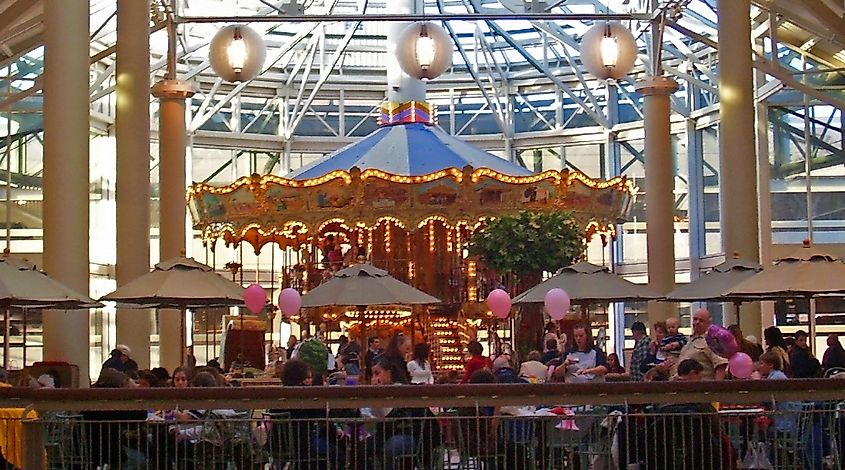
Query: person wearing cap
x=641, y=350
x=120, y=360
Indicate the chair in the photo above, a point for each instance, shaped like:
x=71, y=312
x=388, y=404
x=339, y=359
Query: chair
x=283, y=444
x=520, y=440
x=680, y=437
x=597, y=443
x=789, y=449
x=240, y=447
x=65, y=441
x=472, y=435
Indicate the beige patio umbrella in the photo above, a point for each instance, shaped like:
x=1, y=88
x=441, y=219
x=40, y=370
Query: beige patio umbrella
x=179, y=283
x=22, y=285
x=362, y=285
x=588, y=284
x=714, y=285
x=808, y=273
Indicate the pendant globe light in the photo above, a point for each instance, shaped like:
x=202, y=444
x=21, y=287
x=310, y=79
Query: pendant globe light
x=424, y=50
x=237, y=53
x=608, y=50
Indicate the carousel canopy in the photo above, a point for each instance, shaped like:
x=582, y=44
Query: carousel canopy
x=409, y=150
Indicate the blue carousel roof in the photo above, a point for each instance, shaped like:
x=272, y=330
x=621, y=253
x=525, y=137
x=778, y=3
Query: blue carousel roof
x=409, y=150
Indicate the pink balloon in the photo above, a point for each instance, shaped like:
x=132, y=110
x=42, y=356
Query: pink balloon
x=557, y=303
x=741, y=365
x=255, y=298
x=290, y=302
x=499, y=303
x=721, y=341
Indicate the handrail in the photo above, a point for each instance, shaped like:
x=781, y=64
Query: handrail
x=734, y=392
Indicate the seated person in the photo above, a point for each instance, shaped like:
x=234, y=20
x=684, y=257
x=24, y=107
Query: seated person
x=533, y=370
x=108, y=431
x=480, y=430
x=552, y=351
x=689, y=370
x=399, y=430
x=615, y=371
x=315, y=437
x=786, y=417
x=504, y=372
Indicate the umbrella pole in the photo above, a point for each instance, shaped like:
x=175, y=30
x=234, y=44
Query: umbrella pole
x=182, y=334
x=362, y=356
x=737, y=303
x=24, y=337
x=6, y=339
x=242, y=355
x=811, y=303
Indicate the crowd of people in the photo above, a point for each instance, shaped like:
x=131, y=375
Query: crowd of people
x=665, y=355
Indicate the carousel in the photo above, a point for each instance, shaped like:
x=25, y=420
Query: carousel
x=406, y=198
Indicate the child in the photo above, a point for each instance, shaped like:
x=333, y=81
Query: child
x=674, y=341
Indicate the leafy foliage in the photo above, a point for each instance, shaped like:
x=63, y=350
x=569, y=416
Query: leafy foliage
x=530, y=242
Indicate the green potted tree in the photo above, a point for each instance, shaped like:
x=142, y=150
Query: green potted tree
x=521, y=248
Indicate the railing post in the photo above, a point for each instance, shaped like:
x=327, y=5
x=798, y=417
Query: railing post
x=32, y=444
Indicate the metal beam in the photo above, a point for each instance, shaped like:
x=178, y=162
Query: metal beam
x=784, y=76
x=593, y=113
x=472, y=72
x=324, y=75
x=383, y=17
x=201, y=119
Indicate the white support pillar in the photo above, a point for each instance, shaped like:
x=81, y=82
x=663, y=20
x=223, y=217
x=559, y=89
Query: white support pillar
x=659, y=193
x=737, y=161
x=132, y=192
x=66, y=195
x=401, y=87
x=172, y=210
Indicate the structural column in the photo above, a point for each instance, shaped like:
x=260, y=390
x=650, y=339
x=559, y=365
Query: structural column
x=132, y=194
x=659, y=194
x=401, y=87
x=737, y=161
x=172, y=176
x=66, y=196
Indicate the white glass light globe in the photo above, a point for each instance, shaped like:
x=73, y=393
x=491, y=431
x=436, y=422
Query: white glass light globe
x=608, y=50
x=237, y=53
x=424, y=50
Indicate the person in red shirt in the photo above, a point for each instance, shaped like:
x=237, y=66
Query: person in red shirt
x=477, y=361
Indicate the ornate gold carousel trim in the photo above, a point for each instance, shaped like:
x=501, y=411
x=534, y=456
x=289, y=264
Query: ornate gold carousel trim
x=270, y=208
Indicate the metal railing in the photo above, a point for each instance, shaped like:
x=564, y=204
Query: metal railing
x=762, y=424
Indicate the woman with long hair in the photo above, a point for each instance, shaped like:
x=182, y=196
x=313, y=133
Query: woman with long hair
x=398, y=351
x=419, y=368
x=776, y=344
x=399, y=431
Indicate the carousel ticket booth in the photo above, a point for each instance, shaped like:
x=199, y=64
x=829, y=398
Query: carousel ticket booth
x=406, y=198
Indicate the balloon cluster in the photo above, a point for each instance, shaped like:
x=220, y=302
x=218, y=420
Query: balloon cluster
x=255, y=298
x=557, y=303
x=723, y=343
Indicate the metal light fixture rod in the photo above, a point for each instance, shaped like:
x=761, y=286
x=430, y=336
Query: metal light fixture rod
x=373, y=17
